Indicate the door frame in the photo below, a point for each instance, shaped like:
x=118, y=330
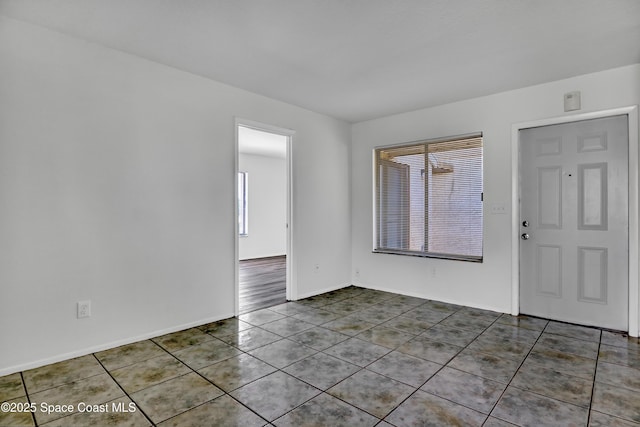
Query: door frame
x=291, y=288
x=632, y=114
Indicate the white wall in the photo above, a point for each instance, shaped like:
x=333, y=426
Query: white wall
x=267, y=206
x=117, y=185
x=486, y=285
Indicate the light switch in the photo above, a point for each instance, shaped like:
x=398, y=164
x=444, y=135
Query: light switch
x=498, y=208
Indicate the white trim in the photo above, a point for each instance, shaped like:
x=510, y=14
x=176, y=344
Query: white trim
x=428, y=298
x=324, y=291
x=264, y=127
x=374, y=190
x=634, y=210
x=291, y=285
x=632, y=113
x=108, y=346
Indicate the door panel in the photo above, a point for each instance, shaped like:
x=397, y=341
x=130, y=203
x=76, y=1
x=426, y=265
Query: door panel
x=592, y=274
x=592, y=197
x=549, y=271
x=550, y=197
x=574, y=199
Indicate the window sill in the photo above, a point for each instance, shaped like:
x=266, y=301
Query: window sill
x=429, y=255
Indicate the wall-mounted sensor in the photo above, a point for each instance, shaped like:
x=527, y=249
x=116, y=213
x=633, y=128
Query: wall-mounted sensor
x=572, y=101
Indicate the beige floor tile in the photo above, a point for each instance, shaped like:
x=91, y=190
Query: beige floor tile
x=463, y=358
x=94, y=390
x=225, y=327
x=274, y=395
x=221, y=412
x=61, y=373
x=206, y=353
x=129, y=354
x=424, y=409
x=120, y=412
x=150, y=372
x=16, y=415
x=376, y=394
x=616, y=401
x=326, y=410
x=181, y=339
x=175, y=396
x=11, y=387
x=236, y=371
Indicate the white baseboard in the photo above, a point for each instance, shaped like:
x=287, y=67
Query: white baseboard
x=417, y=295
x=85, y=351
x=323, y=291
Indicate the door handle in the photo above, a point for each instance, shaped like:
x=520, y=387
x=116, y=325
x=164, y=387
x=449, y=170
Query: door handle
x=525, y=236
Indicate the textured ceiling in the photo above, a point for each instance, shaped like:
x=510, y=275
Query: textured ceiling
x=358, y=59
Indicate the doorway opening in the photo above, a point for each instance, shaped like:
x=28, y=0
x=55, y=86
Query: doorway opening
x=263, y=249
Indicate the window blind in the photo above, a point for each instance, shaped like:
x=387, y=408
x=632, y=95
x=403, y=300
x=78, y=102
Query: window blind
x=429, y=198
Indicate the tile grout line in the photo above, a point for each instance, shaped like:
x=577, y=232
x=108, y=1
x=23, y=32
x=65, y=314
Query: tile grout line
x=361, y=368
x=363, y=304
x=170, y=379
x=26, y=392
x=449, y=361
x=278, y=369
x=225, y=393
x=416, y=336
x=593, y=384
x=516, y=373
x=401, y=314
x=435, y=373
x=569, y=375
x=282, y=369
x=311, y=385
x=123, y=390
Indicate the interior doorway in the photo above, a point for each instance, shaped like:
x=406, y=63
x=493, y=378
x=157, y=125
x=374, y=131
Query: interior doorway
x=263, y=249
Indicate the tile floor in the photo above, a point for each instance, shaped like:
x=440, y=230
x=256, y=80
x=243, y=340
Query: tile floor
x=352, y=357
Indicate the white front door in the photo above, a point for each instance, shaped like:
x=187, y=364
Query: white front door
x=574, y=222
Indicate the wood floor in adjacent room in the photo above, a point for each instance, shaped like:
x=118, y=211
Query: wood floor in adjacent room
x=262, y=283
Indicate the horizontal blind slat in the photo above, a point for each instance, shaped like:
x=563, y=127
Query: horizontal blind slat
x=449, y=173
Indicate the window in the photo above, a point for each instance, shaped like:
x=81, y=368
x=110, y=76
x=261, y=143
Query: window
x=429, y=198
x=243, y=214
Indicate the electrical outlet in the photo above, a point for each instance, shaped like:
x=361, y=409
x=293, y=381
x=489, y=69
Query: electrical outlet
x=84, y=309
x=357, y=272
